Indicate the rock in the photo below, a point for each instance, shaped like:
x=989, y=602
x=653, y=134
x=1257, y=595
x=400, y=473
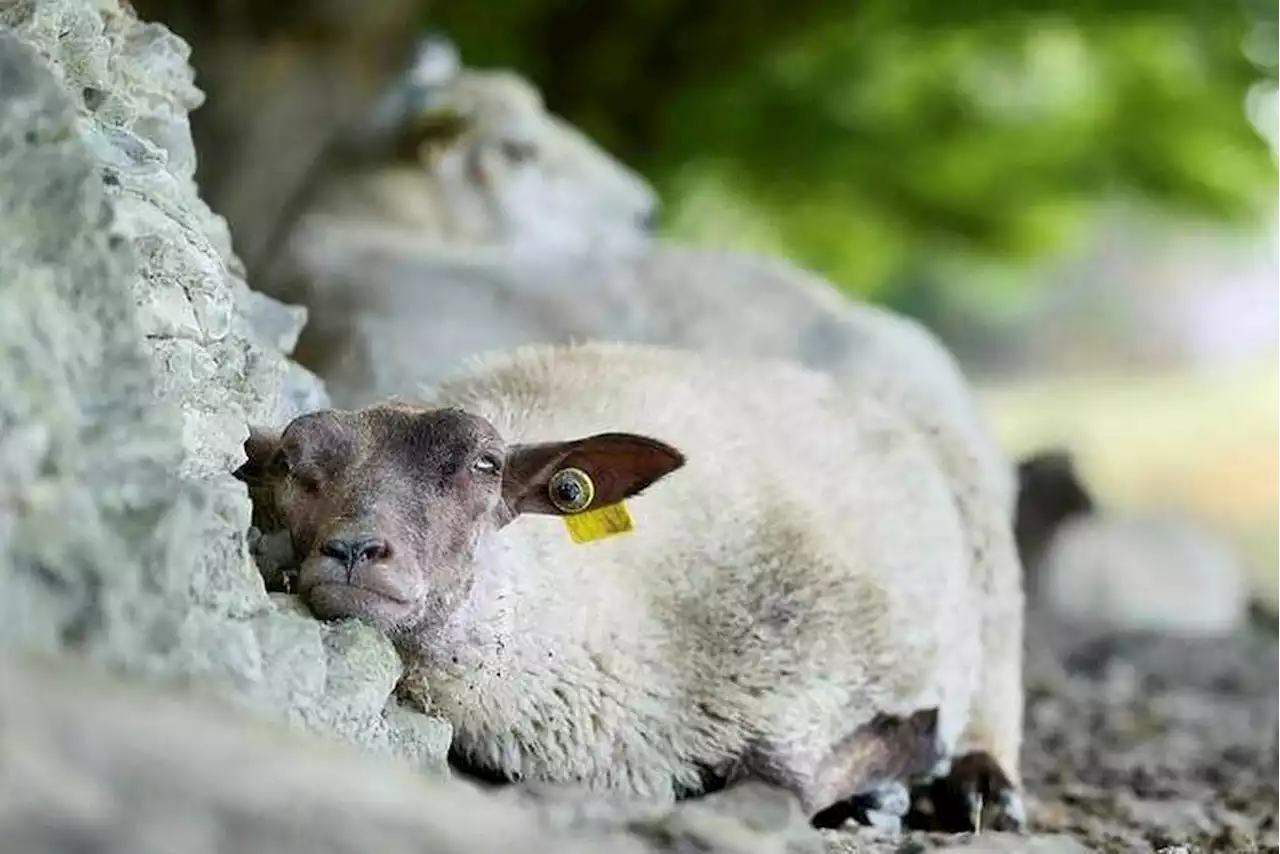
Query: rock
x=750, y=818
x=746, y=818
x=274, y=321
x=88, y=763
x=868, y=842
x=1005, y=843
x=280, y=324
x=134, y=356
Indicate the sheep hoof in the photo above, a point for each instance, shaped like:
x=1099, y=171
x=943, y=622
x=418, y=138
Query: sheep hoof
x=883, y=807
x=975, y=796
x=1007, y=813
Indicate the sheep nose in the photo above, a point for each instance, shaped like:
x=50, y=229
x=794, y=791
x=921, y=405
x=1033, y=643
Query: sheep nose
x=352, y=551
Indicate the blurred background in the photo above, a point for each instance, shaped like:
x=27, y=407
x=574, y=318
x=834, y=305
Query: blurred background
x=1080, y=198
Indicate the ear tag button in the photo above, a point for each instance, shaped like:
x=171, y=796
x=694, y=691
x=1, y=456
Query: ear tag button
x=572, y=491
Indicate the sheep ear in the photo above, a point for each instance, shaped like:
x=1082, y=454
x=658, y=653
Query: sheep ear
x=1057, y=462
x=259, y=449
x=1050, y=487
x=565, y=478
x=417, y=137
x=1049, y=473
x=437, y=119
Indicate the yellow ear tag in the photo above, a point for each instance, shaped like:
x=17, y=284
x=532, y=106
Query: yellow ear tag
x=571, y=490
x=599, y=523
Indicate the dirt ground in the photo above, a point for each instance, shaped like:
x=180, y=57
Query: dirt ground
x=1143, y=743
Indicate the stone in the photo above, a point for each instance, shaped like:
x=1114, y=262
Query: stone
x=91, y=764
x=280, y=325
x=862, y=842
x=1007, y=843
x=134, y=357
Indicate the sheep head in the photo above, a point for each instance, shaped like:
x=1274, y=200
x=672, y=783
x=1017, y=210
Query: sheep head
x=386, y=505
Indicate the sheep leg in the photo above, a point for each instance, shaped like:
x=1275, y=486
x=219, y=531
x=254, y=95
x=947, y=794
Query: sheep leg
x=983, y=788
x=986, y=769
x=865, y=776
x=976, y=795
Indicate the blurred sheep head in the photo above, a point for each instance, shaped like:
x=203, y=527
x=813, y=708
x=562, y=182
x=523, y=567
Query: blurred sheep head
x=473, y=158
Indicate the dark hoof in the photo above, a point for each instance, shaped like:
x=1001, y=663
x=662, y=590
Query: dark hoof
x=885, y=807
x=975, y=796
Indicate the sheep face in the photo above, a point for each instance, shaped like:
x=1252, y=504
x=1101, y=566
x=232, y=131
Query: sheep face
x=547, y=184
x=386, y=505
x=476, y=160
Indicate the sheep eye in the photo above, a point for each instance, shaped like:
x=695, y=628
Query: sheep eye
x=486, y=464
x=571, y=490
x=518, y=152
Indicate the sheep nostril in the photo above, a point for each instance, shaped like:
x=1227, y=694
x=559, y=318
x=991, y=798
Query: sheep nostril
x=351, y=551
x=374, y=549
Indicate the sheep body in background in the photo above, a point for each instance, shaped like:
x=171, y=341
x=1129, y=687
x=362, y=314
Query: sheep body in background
x=1113, y=571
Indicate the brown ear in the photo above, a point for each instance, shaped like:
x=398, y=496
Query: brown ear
x=1053, y=462
x=260, y=447
x=1050, y=489
x=435, y=128
x=1051, y=473
x=618, y=466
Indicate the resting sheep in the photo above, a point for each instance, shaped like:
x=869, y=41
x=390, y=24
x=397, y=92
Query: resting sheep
x=464, y=158
x=1120, y=572
x=814, y=594
x=410, y=263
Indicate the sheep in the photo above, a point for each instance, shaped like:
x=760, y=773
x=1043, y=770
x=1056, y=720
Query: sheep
x=461, y=157
x=1113, y=571
x=389, y=321
x=807, y=591
x=408, y=267
x=389, y=316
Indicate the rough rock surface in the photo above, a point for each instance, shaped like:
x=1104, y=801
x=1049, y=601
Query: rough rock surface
x=134, y=354
x=90, y=765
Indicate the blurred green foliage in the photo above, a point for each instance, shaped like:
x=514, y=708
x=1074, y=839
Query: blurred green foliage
x=874, y=140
